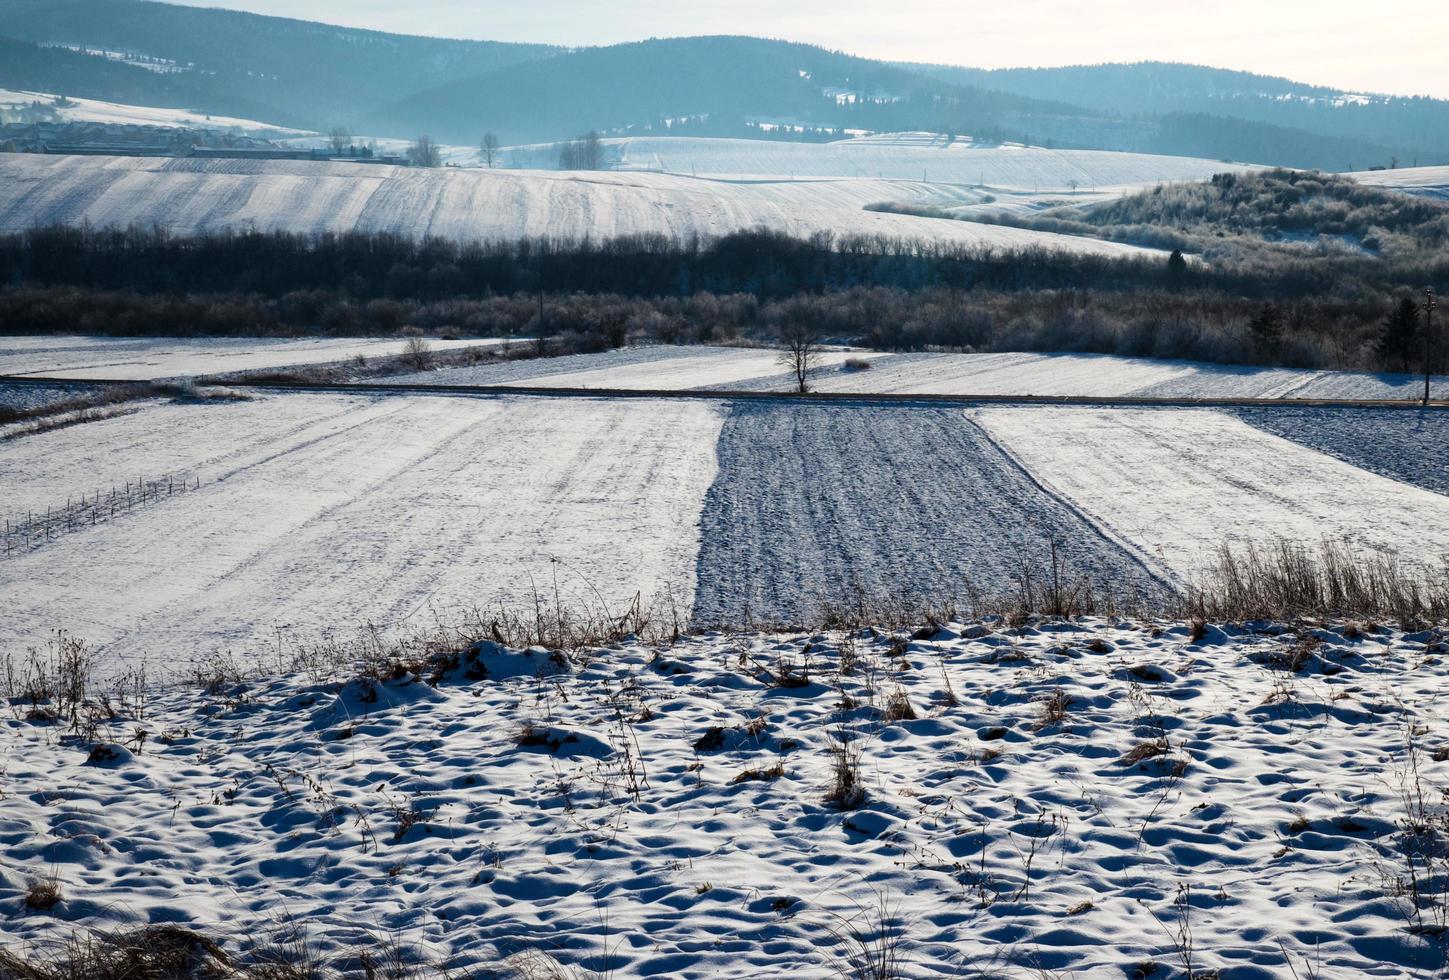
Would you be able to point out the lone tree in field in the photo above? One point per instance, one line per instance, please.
(1401, 330)
(800, 352)
(425, 153)
(417, 352)
(340, 138)
(489, 146)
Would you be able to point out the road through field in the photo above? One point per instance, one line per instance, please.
(381, 513)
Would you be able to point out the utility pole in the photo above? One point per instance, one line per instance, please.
(1429, 307)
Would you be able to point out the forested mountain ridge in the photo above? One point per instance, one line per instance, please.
(310, 75)
(294, 72)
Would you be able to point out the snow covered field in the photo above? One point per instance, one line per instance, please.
(153, 358)
(313, 515)
(684, 368)
(899, 156)
(1172, 485)
(1428, 181)
(821, 505)
(188, 196)
(1061, 800)
(121, 114)
(319, 515)
(666, 368)
(1408, 446)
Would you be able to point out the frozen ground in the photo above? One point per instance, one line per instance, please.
(1171, 485)
(899, 156)
(818, 505)
(320, 515)
(1411, 446)
(190, 196)
(1097, 375)
(152, 358)
(1262, 819)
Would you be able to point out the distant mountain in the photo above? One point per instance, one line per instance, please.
(702, 86)
(304, 74)
(288, 71)
(1350, 126)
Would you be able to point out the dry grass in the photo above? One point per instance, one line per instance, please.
(1054, 709)
(168, 952)
(898, 707)
(760, 775)
(1143, 751)
(871, 945)
(43, 894)
(1287, 580)
(846, 791)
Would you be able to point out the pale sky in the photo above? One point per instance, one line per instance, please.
(1395, 46)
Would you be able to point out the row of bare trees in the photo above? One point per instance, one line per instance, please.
(424, 152)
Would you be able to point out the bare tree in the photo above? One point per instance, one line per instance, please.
(425, 153)
(800, 351)
(490, 148)
(417, 353)
(340, 138)
(582, 153)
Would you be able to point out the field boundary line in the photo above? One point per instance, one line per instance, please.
(1124, 543)
(818, 397)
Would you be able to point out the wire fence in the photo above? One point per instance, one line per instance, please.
(24, 533)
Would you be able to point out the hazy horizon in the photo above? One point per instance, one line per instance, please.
(1398, 51)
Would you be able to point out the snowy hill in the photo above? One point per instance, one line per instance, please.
(1426, 181)
(123, 114)
(901, 156)
(188, 196)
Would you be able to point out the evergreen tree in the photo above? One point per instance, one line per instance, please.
(1397, 343)
(1267, 328)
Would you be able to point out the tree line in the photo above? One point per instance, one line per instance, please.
(887, 293)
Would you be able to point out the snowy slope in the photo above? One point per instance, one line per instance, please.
(116, 113)
(623, 842)
(150, 358)
(902, 156)
(1429, 181)
(339, 512)
(1175, 484)
(189, 196)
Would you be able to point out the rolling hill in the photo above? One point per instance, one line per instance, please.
(191, 196)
